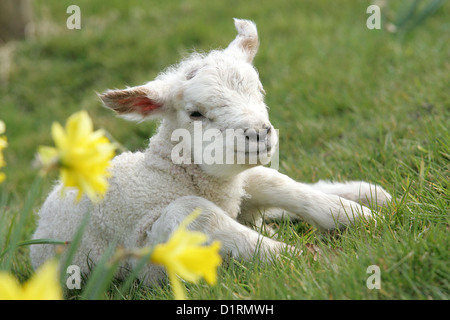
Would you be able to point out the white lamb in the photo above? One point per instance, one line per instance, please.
(150, 194)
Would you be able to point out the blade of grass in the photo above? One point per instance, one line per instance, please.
(71, 250)
(407, 14)
(101, 277)
(132, 276)
(3, 232)
(17, 229)
(31, 242)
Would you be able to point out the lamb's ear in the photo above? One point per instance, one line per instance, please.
(137, 103)
(246, 43)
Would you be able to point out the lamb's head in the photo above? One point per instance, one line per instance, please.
(213, 103)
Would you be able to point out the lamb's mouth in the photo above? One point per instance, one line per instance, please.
(253, 157)
(267, 149)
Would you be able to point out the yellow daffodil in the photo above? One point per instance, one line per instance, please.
(185, 256)
(3, 145)
(44, 285)
(82, 155)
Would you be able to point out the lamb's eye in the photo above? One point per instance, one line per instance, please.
(195, 115)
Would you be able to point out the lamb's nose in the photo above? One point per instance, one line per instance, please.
(258, 135)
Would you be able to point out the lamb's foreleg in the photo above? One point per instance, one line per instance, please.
(237, 240)
(268, 188)
(358, 191)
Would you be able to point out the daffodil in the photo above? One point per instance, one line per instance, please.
(3, 145)
(186, 256)
(82, 155)
(44, 285)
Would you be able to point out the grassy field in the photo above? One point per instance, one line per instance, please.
(350, 103)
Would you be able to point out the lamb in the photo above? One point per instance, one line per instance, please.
(150, 193)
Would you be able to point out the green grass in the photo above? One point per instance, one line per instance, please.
(350, 103)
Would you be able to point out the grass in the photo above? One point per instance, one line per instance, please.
(350, 103)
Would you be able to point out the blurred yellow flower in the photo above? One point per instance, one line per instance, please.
(82, 155)
(3, 145)
(186, 256)
(44, 285)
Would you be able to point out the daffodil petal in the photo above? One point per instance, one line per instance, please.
(190, 218)
(59, 135)
(79, 126)
(83, 156)
(185, 255)
(3, 142)
(47, 155)
(10, 288)
(44, 285)
(177, 287)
